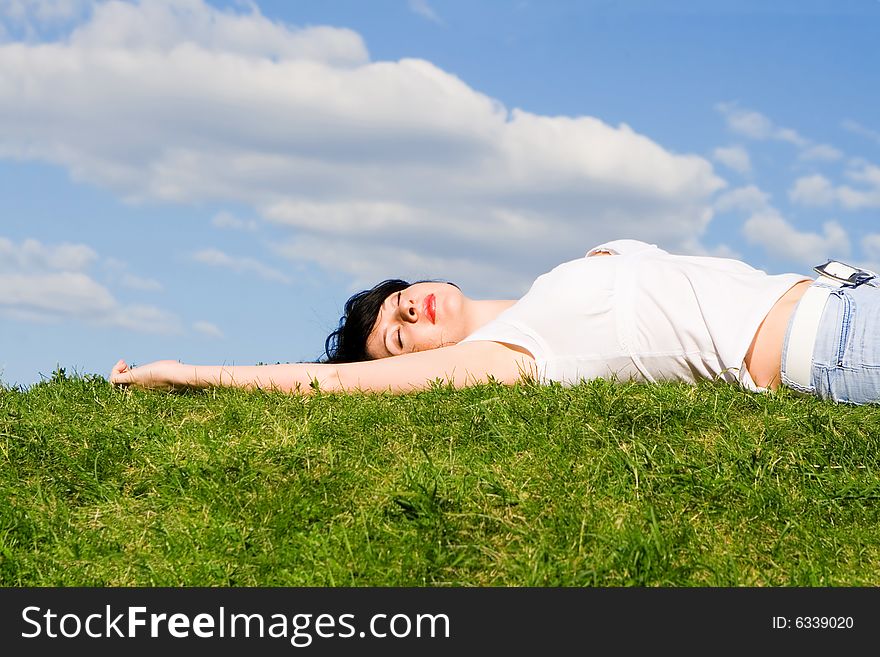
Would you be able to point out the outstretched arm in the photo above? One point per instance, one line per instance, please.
(461, 365)
(174, 375)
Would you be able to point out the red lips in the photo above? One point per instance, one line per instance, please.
(430, 307)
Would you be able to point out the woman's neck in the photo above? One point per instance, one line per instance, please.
(483, 311)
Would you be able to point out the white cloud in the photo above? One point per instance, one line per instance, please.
(749, 199)
(62, 293)
(217, 258)
(140, 283)
(33, 255)
(817, 190)
(345, 217)
(859, 129)
(821, 152)
(27, 19)
(118, 271)
(791, 136)
(146, 319)
(870, 256)
(40, 282)
(163, 26)
(767, 227)
(748, 123)
(31, 14)
(183, 102)
(367, 268)
(871, 246)
(717, 251)
(228, 220)
(777, 236)
(868, 175)
(755, 125)
(208, 329)
(733, 157)
(423, 9)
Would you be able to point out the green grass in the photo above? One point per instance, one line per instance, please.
(600, 484)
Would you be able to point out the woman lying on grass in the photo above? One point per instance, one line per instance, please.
(638, 313)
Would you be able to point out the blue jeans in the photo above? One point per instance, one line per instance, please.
(846, 356)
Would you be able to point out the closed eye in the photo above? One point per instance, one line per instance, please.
(399, 338)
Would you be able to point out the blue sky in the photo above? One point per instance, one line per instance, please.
(210, 181)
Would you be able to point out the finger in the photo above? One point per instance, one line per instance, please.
(120, 374)
(120, 379)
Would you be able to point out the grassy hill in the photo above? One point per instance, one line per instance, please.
(600, 484)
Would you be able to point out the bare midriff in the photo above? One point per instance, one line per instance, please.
(764, 358)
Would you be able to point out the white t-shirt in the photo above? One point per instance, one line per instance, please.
(643, 314)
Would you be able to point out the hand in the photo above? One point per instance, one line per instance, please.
(159, 375)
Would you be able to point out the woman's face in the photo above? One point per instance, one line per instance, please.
(423, 316)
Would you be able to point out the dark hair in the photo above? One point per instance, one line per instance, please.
(348, 343)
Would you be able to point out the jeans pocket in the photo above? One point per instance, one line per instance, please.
(847, 309)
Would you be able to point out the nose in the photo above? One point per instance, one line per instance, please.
(408, 311)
